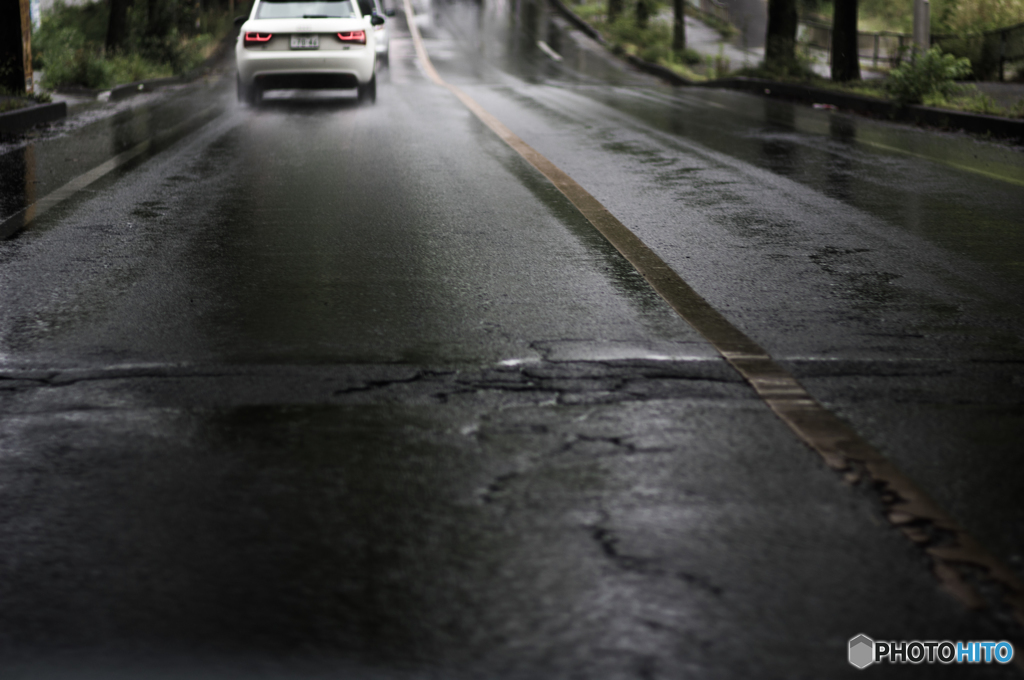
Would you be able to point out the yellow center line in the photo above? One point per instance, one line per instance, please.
(837, 442)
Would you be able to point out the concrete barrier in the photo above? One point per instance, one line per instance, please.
(22, 119)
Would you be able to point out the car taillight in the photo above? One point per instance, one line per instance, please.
(253, 37)
(357, 37)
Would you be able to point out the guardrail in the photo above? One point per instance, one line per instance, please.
(885, 46)
(989, 52)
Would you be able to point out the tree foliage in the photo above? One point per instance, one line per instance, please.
(975, 16)
(74, 44)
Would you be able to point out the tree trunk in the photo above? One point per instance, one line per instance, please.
(15, 46)
(845, 64)
(117, 25)
(160, 17)
(780, 42)
(614, 10)
(678, 26)
(643, 13)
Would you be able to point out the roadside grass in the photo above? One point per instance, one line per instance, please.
(654, 42)
(968, 98)
(68, 48)
(12, 104)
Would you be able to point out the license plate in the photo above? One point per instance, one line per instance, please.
(305, 42)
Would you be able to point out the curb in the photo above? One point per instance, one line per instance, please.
(20, 120)
(77, 91)
(976, 123)
(140, 87)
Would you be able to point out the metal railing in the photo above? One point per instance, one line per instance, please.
(885, 46)
(989, 52)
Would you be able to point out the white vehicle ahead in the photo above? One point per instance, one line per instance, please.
(369, 8)
(306, 44)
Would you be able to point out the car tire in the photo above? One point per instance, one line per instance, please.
(249, 94)
(368, 92)
(253, 95)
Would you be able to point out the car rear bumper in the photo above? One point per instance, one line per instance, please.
(314, 69)
(278, 80)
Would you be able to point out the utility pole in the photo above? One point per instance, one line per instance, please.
(16, 46)
(922, 25)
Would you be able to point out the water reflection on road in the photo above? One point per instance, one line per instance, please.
(960, 192)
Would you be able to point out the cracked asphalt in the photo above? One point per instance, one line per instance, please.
(321, 390)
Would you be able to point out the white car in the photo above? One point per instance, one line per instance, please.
(306, 44)
(369, 8)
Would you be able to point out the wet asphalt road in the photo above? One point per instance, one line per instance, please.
(328, 390)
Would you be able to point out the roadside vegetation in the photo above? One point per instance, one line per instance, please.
(958, 26)
(644, 28)
(71, 46)
(933, 79)
(957, 17)
(13, 102)
(645, 31)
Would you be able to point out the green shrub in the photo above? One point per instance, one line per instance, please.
(13, 104)
(928, 74)
(652, 43)
(68, 47)
(690, 57)
(797, 70)
(596, 13)
(68, 26)
(130, 67)
(75, 63)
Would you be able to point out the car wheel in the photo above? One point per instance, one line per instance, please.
(253, 95)
(368, 92)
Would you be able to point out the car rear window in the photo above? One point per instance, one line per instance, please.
(309, 9)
